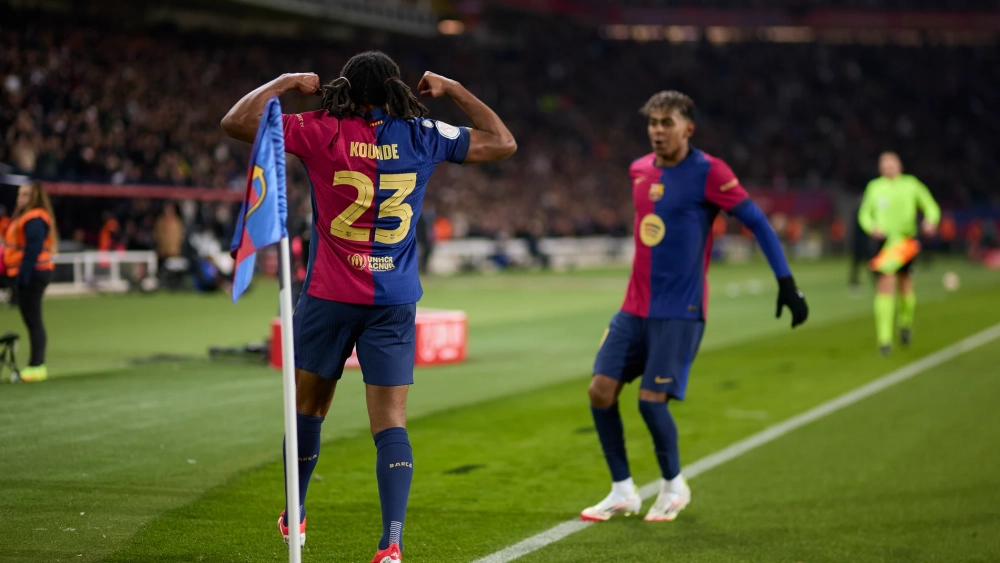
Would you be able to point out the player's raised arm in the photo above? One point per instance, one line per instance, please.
(723, 189)
(243, 118)
(490, 139)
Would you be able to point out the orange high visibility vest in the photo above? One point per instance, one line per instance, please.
(107, 231)
(14, 243)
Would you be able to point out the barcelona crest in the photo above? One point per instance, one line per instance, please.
(655, 192)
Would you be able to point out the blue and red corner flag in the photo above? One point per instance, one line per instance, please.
(263, 215)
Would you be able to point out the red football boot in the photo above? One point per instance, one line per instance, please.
(390, 554)
(284, 529)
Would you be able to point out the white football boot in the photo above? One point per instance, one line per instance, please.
(670, 501)
(614, 503)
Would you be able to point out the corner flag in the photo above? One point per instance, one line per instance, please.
(262, 218)
(262, 222)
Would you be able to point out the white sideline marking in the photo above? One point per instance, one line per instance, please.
(769, 434)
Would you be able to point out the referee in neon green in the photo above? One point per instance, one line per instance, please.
(889, 214)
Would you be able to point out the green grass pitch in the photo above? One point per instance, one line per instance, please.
(140, 450)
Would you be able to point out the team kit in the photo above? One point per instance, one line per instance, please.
(369, 153)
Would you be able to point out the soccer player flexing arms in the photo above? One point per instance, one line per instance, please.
(369, 153)
(888, 214)
(678, 190)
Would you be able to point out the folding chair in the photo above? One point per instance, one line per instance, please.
(8, 344)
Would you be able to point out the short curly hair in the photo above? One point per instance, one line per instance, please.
(669, 100)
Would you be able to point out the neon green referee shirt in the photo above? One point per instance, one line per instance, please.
(890, 206)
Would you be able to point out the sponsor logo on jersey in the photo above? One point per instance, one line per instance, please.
(372, 263)
(651, 230)
(637, 180)
(447, 131)
(375, 152)
(655, 192)
(729, 185)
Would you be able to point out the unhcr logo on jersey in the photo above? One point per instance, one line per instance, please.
(359, 261)
(381, 263)
(373, 263)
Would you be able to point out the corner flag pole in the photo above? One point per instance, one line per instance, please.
(288, 384)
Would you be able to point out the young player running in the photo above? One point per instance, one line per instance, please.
(677, 190)
(369, 153)
(888, 214)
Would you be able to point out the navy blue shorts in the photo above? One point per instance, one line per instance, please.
(327, 331)
(660, 350)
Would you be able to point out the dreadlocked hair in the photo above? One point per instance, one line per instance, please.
(371, 78)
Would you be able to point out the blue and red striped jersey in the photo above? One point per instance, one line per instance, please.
(674, 210)
(368, 177)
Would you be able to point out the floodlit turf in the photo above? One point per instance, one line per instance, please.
(907, 475)
(180, 461)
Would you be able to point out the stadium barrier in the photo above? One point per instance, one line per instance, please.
(442, 338)
(73, 189)
(94, 271)
(483, 254)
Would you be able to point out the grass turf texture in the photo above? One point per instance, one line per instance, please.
(180, 461)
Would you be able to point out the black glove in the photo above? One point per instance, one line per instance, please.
(790, 296)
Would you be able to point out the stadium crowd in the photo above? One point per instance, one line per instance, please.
(90, 102)
(801, 6)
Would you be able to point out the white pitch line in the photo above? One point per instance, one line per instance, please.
(556, 533)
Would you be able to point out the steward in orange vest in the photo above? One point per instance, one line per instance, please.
(29, 243)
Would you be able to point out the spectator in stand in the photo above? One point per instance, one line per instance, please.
(948, 231)
(425, 238)
(90, 101)
(111, 235)
(838, 235)
(168, 233)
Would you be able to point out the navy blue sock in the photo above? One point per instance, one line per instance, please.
(661, 426)
(308, 428)
(394, 470)
(612, 434)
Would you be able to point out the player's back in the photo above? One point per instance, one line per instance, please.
(368, 176)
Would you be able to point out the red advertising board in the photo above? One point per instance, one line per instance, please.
(442, 338)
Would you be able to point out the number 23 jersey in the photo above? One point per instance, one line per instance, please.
(368, 176)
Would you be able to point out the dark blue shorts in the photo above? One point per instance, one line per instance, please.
(660, 350)
(327, 331)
